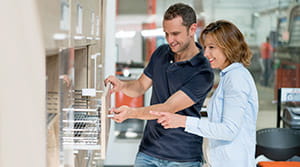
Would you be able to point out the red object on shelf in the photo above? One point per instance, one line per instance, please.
(287, 76)
(279, 164)
(122, 99)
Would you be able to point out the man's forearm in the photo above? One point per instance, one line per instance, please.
(132, 88)
(143, 112)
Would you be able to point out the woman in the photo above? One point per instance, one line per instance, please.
(232, 110)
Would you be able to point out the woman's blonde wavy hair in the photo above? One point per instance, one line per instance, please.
(229, 38)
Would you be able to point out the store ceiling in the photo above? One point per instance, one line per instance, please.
(128, 7)
(131, 14)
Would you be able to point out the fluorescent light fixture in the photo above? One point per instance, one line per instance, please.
(60, 36)
(125, 34)
(256, 14)
(89, 38)
(131, 134)
(153, 32)
(78, 37)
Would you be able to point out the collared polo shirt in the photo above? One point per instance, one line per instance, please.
(195, 78)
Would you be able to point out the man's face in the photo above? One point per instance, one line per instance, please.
(177, 35)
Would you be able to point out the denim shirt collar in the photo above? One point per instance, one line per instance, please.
(230, 67)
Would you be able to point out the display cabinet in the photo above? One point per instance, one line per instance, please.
(77, 100)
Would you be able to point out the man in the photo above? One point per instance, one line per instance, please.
(181, 78)
(266, 50)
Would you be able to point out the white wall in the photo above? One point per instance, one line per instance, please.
(130, 49)
(110, 42)
(241, 13)
(264, 24)
(237, 12)
(22, 89)
(269, 12)
(163, 5)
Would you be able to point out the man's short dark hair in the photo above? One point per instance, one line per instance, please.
(185, 11)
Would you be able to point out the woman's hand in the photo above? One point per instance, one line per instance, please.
(170, 120)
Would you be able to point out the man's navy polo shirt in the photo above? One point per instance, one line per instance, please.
(195, 78)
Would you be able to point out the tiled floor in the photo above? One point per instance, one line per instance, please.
(267, 114)
(266, 119)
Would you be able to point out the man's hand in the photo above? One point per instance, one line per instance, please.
(170, 120)
(121, 114)
(116, 83)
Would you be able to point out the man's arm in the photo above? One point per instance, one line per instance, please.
(178, 101)
(133, 88)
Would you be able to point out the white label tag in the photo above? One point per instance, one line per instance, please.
(89, 92)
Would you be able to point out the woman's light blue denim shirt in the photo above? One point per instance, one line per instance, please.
(231, 124)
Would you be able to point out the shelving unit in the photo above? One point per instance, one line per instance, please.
(77, 101)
